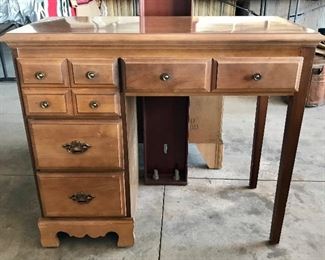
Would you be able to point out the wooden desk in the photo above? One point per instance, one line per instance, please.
(78, 81)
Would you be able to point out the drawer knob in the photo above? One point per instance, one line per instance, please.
(82, 197)
(39, 75)
(90, 75)
(76, 147)
(44, 104)
(94, 104)
(257, 76)
(165, 76)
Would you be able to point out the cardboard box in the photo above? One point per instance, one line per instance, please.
(89, 9)
(205, 128)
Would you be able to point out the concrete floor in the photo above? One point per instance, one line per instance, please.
(214, 217)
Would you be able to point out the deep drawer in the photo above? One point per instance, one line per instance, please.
(275, 74)
(167, 75)
(82, 194)
(64, 144)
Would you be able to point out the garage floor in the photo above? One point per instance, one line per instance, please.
(214, 217)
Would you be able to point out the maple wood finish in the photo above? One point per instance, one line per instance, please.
(78, 227)
(96, 102)
(47, 101)
(43, 71)
(93, 72)
(82, 194)
(256, 74)
(167, 75)
(104, 139)
(92, 144)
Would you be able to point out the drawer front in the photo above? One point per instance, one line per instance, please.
(167, 75)
(64, 144)
(82, 194)
(43, 71)
(100, 102)
(259, 74)
(93, 72)
(47, 101)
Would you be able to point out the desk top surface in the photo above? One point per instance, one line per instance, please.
(176, 28)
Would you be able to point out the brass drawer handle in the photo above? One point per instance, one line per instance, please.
(39, 75)
(44, 104)
(94, 104)
(82, 197)
(165, 76)
(257, 76)
(90, 75)
(76, 147)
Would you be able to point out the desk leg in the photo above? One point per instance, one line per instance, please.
(260, 118)
(294, 117)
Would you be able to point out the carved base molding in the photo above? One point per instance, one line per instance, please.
(49, 228)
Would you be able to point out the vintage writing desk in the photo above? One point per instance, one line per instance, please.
(78, 81)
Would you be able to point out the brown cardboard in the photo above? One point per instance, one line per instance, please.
(205, 124)
(205, 128)
(90, 9)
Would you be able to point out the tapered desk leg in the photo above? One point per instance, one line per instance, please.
(294, 117)
(260, 118)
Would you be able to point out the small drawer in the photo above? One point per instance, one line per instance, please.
(167, 75)
(43, 71)
(93, 72)
(266, 74)
(82, 194)
(43, 101)
(100, 102)
(72, 144)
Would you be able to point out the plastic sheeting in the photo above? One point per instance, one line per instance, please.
(18, 11)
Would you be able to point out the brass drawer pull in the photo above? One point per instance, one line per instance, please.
(39, 75)
(165, 76)
(82, 197)
(76, 147)
(257, 76)
(90, 75)
(44, 104)
(94, 104)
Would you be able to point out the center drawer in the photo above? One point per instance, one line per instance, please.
(82, 194)
(64, 144)
(167, 75)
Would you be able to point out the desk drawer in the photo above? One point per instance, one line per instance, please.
(167, 75)
(259, 74)
(43, 101)
(93, 72)
(96, 102)
(43, 71)
(65, 144)
(82, 194)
